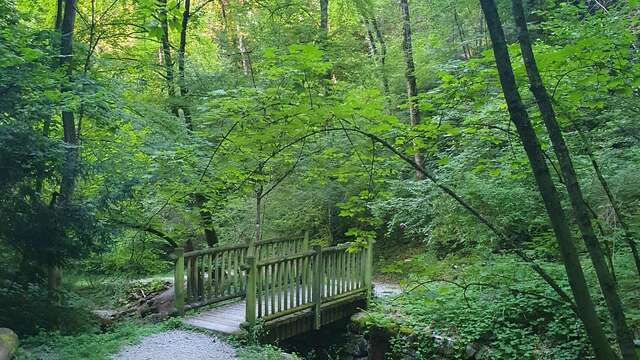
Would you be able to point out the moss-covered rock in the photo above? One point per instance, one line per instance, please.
(8, 343)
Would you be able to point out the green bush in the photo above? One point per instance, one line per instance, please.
(497, 303)
(26, 309)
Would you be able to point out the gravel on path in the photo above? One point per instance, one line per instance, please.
(178, 345)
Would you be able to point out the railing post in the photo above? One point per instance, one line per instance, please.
(252, 274)
(178, 281)
(317, 286)
(368, 270)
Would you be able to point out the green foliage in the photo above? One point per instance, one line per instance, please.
(27, 308)
(94, 346)
(495, 303)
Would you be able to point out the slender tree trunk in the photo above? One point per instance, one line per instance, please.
(200, 199)
(465, 46)
(67, 183)
(58, 21)
(324, 17)
(520, 118)
(410, 76)
(371, 41)
(70, 137)
(206, 220)
(628, 235)
(244, 58)
(166, 47)
(383, 56)
(182, 85)
(583, 218)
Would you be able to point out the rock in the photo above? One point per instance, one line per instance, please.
(8, 343)
(470, 351)
(356, 346)
(358, 322)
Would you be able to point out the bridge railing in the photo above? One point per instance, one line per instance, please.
(308, 280)
(218, 273)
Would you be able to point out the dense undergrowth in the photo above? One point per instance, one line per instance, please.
(495, 307)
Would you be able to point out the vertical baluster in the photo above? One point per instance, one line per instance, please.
(276, 285)
(216, 276)
(272, 287)
(299, 264)
(351, 272)
(259, 295)
(339, 259)
(348, 272)
(327, 274)
(243, 278)
(239, 274)
(283, 299)
(303, 281)
(208, 271)
(189, 280)
(344, 255)
(338, 271)
(223, 273)
(290, 283)
(332, 272)
(236, 270)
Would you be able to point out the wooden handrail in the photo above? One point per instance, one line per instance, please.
(213, 250)
(286, 258)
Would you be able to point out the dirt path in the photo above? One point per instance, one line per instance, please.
(178, 345)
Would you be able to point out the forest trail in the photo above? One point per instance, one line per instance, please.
(178, 345)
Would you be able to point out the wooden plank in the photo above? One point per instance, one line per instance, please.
(292, 283)
(213, 250)
(272, 284)
(178, 281)
(251, 290)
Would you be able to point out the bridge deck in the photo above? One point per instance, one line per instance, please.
(226, 319)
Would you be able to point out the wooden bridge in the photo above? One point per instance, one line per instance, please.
(284, 286)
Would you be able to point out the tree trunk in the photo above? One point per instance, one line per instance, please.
(520, 118)
(210, 235)
(206, 219)
(166, 47)
(382, 57)
(410, 76)
(465, 47)
(628, 234)
(70, 138)
(324, 17)
(67, 184)
(58, 21)
(182, 85)
(583, 218)
(244, 57)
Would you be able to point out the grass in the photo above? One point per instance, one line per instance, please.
(89, 346)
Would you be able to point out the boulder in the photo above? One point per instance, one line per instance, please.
(8, 343)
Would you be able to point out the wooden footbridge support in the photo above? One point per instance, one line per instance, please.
(283, 286)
